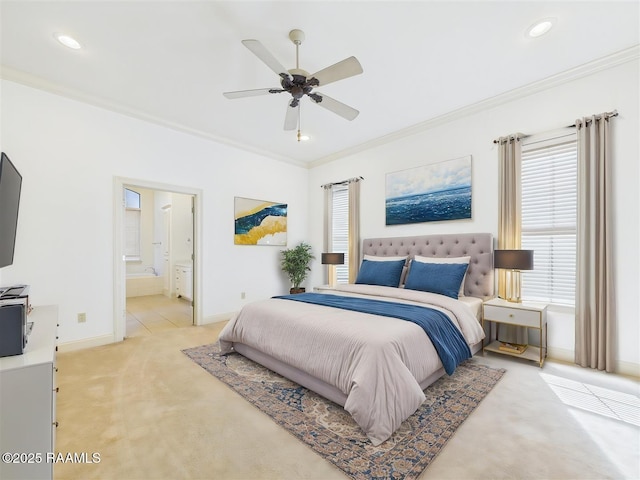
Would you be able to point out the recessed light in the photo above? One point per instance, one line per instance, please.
(540, 27)
(67, 41)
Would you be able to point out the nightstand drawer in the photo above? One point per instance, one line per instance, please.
(525, 318)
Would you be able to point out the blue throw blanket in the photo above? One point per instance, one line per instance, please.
(445, 336)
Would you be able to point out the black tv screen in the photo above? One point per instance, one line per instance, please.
(10, 186)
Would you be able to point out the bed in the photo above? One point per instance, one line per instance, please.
(374, 365)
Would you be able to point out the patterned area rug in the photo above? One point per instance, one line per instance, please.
(331, 432)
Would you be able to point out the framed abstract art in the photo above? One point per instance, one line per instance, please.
(259, 222)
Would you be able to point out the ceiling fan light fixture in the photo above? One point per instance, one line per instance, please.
(540, 27)
(68, 41)
(302, 137)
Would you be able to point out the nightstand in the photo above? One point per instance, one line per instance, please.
(323, 288)
(526, 314)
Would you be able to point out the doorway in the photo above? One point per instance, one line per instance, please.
(156, 266)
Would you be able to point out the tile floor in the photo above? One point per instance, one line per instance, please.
(155, 313)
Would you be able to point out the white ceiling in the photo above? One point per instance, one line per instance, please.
(170, 61)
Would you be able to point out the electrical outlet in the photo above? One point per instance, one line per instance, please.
(82, 317)
(242, 296)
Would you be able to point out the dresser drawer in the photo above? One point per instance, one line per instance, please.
(515, 316)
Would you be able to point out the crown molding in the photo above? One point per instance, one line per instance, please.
(604, 63)
(29, 80)
(590, 68)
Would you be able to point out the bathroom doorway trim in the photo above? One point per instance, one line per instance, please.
(119, 266)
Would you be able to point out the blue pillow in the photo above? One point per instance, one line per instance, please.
(442, 278)
(386, 274)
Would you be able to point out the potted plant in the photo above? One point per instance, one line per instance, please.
(295, 263)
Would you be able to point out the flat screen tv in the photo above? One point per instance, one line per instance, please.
(10, 186)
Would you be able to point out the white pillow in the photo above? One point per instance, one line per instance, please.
(421, 259)
(384, 259)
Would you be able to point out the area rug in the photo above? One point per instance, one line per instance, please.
(331, 432)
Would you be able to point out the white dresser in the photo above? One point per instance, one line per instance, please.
(28, 402)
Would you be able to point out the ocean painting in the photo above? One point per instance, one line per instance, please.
(258, 222)
(431, 193)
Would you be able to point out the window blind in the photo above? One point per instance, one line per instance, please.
(340, 229)
(132, 228)
(549, 215)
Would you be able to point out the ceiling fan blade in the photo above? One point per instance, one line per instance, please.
(339, 108)
(265, 55)
(248, 93)
(291, 118)
(338, 71)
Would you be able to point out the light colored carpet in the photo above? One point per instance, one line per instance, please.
(331, 432)
(152, 413)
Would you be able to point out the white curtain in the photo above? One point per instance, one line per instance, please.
(354, 229)
(328, 217)
(595, 316)
(510, 218)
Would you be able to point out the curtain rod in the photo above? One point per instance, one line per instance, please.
(607, 116)
(519, 136)
(343, 182)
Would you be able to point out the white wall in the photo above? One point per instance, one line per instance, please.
(615, 88)
(69, 154)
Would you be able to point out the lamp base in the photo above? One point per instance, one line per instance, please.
(514, 282)
(333, 277)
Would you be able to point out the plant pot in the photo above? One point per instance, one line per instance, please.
(296, 290)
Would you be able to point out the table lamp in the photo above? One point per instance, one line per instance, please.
(513, 261)
(332, 259)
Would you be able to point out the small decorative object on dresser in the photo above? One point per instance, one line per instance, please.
(527, 315)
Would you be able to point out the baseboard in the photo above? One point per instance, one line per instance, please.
(628, 369)
(107, 339)
(563, 355)
(220, 317)
(85, 343)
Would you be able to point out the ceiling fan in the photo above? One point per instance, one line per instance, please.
(298, 82)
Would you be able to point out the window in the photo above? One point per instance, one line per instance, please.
(132, 216)
(339, 242)
(342, 225)
(549, 215)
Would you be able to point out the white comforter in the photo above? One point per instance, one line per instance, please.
(377, 362)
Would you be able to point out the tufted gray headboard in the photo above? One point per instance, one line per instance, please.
(479, 246)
